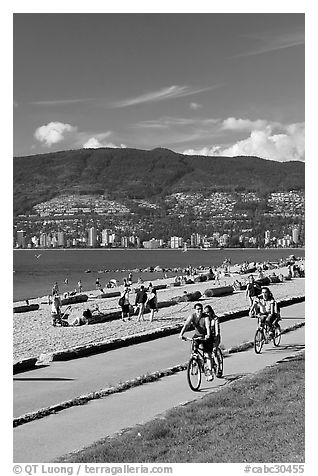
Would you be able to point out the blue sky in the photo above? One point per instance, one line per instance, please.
(210, 83)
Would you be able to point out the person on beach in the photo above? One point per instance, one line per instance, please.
(55, 288)
(124, 303)
(66, 281)
(265, 307)
(152, 301)
(80, 287)
(141, 298)
(130, 279)
(97, 283)
(85, 318)
(201, 324)
(56, 309)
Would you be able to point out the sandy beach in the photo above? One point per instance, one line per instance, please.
(34, 334)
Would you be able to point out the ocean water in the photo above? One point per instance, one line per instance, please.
(34, 275)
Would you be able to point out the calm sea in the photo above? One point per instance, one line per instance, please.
(34, 275)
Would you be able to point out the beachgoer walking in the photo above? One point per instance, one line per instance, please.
(97, 283)
(130, 279)
(55, 288)
(56, 309)
(141, 298)
(124, 303)
(152, 302)
(80, 287)
(66, 281)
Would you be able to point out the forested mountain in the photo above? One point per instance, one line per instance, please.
(132, 173)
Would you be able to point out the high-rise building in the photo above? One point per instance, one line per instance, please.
(105, 237)
(92, 237)
(21, 239)
(176, 242)
(295, 234)
(43, 240)
(267, 237)
(60, 238)
(124, 242)
(195, 240)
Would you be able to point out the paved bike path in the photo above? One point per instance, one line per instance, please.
(46, 439)
(62, 381)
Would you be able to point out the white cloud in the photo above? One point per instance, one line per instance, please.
(53, 132)
(208, 151)
(231, 123)
(195, 106)
(281, 147)
(94, 143)
(287, 145)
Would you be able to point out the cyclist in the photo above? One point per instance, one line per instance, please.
(201, 324)
(265, 307)
(214, 327)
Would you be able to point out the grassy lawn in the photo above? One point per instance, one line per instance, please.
(258, 419)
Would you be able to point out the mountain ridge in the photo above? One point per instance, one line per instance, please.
(135, 173)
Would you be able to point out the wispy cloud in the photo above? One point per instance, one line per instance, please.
(268, 43)
(167, 122)
(57, 102)
(170, 92)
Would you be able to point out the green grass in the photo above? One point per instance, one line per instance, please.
(257, 419)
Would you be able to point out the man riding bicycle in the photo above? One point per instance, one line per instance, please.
(203, 336)
(265, 307)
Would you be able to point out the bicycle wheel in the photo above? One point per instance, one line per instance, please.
(259, 340)
(219, 364)
(194, 373)
(277, 335)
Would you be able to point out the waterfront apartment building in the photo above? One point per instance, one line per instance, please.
(60, 238)
(196, 240)
(176, 242)
(21, 239)
(43, 240)
(151, 244)
(92, 237)
(295, 235)
(267, 237)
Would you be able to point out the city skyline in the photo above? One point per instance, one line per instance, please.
(210, 84)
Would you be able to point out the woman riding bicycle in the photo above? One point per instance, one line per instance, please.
(214, 326)
(203, 335)
(265, 307)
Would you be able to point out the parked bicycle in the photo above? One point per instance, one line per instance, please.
(198, 364)
(264, 334)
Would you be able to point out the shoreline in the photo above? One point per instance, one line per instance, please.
(155, 249)
(147, 273)
(33, 333)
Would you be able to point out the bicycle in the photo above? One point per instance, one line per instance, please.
(263, 336)
(198, 364)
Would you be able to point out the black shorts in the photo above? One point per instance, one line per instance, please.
(208, 344)
(125, 308)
